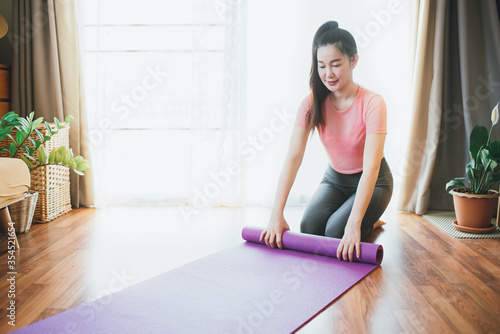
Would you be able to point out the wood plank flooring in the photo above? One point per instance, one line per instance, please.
(429, 282)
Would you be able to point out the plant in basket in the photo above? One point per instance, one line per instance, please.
(44, 147)
(26, 142)
(475, 204)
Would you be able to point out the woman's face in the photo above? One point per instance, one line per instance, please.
(334, 67)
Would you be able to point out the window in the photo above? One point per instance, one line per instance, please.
(193, 102)
(162, 80)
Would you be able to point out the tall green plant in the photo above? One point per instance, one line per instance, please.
(19, 130)
(483, 170)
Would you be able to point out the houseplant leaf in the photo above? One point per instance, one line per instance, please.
(49, 129)
(81, 163)
(493, 165)
(478, 139)
(65, 158)
(78, 159)
(4, 132)
(471, 171)
(37, 122)
(19, 137)
(495, 179)
(42, 155)
(494, 149)
(23, 122)
(29, 157)
(10, 116)
(61, 150)
(78, 172)
(12, 149)
(32, 141)
(39, 134)
(455, 183)
(84, 167)
(68, 119)
(58, 125)
(472, 162)
(484, 186)
(23, 131)
(52, 156)
(26, 161)
(485, 157)
(58, 158)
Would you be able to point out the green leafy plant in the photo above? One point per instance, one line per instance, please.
(21, 143)
(483, 170)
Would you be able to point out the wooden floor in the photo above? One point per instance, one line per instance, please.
(429, 282)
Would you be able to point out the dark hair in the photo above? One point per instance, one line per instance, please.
(328, 34)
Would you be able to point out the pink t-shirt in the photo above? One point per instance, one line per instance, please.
(344, 133)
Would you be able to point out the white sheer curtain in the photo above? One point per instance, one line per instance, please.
(194, 101)
(163, 81)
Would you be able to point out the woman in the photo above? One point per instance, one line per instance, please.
(352, 125)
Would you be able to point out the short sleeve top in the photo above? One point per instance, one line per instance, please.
(344, 132)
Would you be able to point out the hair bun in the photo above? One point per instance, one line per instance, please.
(333, 24)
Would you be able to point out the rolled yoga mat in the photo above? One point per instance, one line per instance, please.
(246, 289)
(315, 244)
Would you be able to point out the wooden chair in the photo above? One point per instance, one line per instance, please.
(14, 183)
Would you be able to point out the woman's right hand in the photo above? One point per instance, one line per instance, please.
(273, 234)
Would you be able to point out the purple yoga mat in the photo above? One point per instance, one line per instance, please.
(307, 243)
(246, 289)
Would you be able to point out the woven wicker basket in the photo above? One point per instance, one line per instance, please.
(51, 182)
(22, 212)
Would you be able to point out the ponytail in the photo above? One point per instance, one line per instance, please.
(328, 34)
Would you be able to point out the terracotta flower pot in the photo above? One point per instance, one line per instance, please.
(474, 210)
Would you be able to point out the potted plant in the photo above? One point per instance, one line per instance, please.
(49, 163)
(475, 204)
(32, 150)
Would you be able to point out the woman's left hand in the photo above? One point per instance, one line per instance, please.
(350, 242)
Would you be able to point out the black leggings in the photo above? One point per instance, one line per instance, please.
(329, 208)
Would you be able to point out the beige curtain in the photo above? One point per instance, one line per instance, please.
(456, 79)
(426, 106)
(47, 74)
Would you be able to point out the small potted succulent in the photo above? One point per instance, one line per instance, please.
(475, 204)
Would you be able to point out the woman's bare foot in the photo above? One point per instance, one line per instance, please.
(378, 224)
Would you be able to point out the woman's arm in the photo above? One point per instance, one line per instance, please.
(277, 223)
(372, 156)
